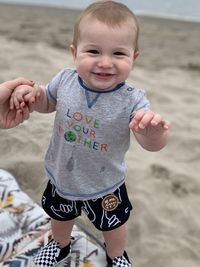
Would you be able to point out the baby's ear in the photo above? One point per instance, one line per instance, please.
(136, 54)
(73, 51)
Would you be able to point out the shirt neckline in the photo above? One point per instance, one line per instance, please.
(99, 91)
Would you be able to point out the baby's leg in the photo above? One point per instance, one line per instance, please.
(115, 241)
(61, 231)
(62, 213)
(58, 249)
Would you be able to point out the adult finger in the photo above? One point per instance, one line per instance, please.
(18, 118)
(26, 113)
(12, 84)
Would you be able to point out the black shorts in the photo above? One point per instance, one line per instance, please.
(106, 213)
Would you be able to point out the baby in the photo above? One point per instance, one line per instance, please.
(95, 112)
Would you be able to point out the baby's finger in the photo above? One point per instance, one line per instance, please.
(146, 119)
(156, 120)
(22, 105)
(166, 125)
(15, 101)
(19, 117)
(28, 96)
(139, 115)
(32, 96)
(136, 119)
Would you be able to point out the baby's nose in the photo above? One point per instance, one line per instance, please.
(105, 62)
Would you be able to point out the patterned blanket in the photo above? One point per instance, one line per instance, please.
(25, 229)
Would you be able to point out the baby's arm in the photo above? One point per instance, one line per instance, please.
(35, 97)
(150, 130)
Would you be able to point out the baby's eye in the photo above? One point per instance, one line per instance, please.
(118, 53)
(93, 51)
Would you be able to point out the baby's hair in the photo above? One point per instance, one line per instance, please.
(110, 13)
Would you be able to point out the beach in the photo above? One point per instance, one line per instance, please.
(164, 186)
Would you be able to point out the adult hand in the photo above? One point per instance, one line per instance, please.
(11, 118)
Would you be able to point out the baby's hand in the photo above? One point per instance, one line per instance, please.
(148, 123)
(24, 95)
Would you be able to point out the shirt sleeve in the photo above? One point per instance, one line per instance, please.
(53, 85)
(141, 103)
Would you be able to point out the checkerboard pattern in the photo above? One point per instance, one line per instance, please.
(121, 262)
(48, 256)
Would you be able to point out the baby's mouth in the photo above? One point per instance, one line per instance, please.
(103, 75)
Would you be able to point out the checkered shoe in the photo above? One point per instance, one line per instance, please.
(121, 262)
(52, 255)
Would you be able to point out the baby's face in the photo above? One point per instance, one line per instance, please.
(104, 55)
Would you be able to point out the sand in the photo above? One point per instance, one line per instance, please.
(164, 187)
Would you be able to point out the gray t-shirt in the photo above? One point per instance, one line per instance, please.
(91, 135)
